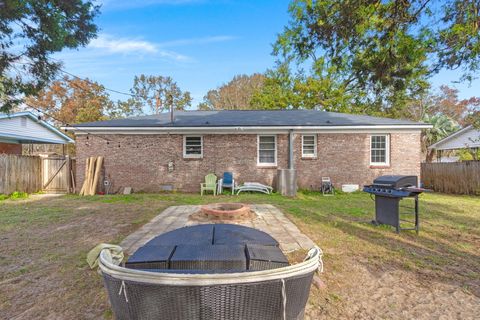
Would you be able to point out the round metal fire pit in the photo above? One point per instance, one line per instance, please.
(224, 211)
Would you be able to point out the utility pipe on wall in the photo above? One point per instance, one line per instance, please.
(291, 164)
(287, 178)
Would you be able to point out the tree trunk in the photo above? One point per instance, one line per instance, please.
(430, 154)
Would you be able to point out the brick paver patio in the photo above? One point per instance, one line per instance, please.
(269, 219)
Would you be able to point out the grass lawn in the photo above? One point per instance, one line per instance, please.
(370, 272)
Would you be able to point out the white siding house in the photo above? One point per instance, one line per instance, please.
(25, 127)
(468, 137)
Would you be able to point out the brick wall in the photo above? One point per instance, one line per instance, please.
(345, 158)
(10, 148)
(141, 161)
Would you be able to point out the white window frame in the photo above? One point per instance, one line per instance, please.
(314, 155)
(193, 156)
(273, 164)
(387, 150)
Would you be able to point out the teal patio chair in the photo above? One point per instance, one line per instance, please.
(210, 184)
(226, 182)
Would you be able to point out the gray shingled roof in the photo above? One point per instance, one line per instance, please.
(249, 118)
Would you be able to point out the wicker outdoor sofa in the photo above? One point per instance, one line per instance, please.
(274, 294)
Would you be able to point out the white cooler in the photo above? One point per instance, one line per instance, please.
(350, 187)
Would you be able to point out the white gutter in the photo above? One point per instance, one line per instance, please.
(242, 129)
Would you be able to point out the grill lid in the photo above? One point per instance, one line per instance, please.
(396, 181)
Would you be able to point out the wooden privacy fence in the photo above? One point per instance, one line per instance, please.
(20, 173)
(32, 174)
(452, 177)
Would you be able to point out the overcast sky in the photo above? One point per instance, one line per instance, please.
(200, 43)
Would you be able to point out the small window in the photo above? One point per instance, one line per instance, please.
(192, 146)
(309, 146)
(379, 150)
(267, 151)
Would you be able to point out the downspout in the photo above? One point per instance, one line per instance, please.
(291, 164)
(287, 178)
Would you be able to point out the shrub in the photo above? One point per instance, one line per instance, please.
(18, 195)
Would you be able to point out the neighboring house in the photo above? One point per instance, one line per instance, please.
(151, 153)
(25, 128)
(468, 137)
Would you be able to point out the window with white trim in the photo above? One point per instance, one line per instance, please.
(380, 150)
(267, 150)
(309, 146)
(192, 146)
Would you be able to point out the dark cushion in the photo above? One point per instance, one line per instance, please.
(261, 257)
(234, 234)
(197, 235)
(209, 257)
(192, 271)
(150, 257)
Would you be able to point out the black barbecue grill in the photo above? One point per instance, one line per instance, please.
(388, 191)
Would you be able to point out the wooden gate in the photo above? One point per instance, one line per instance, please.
(57, 175)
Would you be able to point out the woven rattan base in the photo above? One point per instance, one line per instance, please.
(261, 300)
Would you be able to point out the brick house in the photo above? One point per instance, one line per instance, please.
(152, 153)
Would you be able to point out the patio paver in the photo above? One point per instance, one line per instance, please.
(269, 219)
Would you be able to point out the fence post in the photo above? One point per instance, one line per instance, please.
(69, 177)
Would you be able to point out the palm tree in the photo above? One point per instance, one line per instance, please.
(442, 126)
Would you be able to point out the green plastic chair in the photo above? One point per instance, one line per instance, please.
(210, 184)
